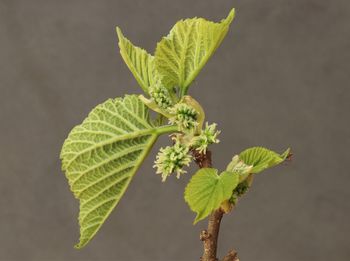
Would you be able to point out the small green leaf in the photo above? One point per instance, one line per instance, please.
(207, 190)
(237, 165)
(101, 155)
(181, 55)
(140, 63)
(261, 158)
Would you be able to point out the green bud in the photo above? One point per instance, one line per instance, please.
(241, 189)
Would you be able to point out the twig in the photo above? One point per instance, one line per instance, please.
(202, 160)
(210, 242)
(231, 256)
(211, 234)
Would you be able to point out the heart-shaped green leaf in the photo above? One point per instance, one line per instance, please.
(207, 190)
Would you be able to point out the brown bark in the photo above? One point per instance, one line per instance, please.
(210, 235)
(231, 256)
(202, 160)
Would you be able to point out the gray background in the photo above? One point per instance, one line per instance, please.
(280, 79)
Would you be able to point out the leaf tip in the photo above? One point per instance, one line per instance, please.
(230, 16)
(197, 219)
(287, 154)
(119, 34)
(118, 30)
(79, 245)
(232, 13)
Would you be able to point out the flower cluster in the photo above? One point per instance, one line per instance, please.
(184, 116)
(208, 136)
(172, 159)
(161, 96)
(188, 116)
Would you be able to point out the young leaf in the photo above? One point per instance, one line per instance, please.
(140, 63)
(101, 155)
(237, 165)
(207, 190)
(180, 56)
(261, 158)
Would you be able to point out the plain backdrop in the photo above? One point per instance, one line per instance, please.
(280, 78)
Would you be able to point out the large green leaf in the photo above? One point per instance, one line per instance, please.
(140, 63)
(101, 155)
(180, 56)
(207, 190)
(262, 158)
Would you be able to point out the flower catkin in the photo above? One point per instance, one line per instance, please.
(161, 96)
(184, 116)
(172, 159)
(208, 136)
